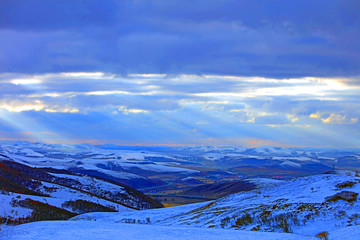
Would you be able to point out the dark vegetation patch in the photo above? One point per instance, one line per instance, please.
(82, 206)
(244, 220)
(14, 181)
(346, 184)
(323, 235)
(41, 211)
(344, 195)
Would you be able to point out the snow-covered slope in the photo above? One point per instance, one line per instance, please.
(306, 205)
(303, 205)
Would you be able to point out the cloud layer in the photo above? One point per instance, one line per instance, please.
(180, 109)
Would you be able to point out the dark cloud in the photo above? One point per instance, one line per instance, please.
(257, 38)
(36, 15)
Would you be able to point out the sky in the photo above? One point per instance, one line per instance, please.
(163, 72)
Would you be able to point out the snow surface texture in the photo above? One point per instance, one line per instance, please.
(71, 230)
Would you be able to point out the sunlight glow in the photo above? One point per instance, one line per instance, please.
(25, 81)
(147, 75)
(126, 110)
(66, 110)
(25, 107)
(95, 75)
(333, 118)
(100, 93)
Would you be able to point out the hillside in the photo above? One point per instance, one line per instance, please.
(31, 194)
(303, 205)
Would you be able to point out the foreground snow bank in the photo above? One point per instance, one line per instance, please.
(74, 230)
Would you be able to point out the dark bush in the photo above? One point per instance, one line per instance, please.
(344, 195)
(224, 222)
(82, 206)
(244, 220)
(323, 235)
(42, 211)
(345, 184)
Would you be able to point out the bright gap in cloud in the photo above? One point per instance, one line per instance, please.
(25, 81)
